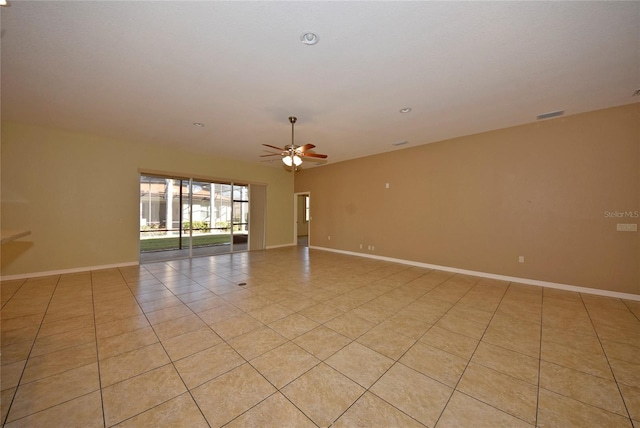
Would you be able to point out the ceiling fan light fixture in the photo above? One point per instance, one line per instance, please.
(290, 160)
(292, 155)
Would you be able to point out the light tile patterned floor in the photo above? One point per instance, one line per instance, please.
(312, 339)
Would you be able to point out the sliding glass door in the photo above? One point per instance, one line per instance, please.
(240, 223)
(182, 218)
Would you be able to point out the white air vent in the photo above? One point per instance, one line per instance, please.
(550, 114)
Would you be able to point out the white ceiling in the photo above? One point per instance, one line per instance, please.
(146, 71)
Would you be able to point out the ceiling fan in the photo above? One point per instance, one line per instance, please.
(293, 155)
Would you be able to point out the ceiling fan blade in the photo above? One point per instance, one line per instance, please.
(314, 155)
(272, 154)
(305, 147)
(274, 147)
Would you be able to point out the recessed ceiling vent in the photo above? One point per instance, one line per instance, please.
(399, 143)
(550, 115)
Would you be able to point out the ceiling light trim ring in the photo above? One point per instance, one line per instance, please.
(309, 38)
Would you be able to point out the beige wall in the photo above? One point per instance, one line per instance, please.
(479, 202)
(79, 195)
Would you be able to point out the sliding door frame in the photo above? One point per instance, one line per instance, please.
(233, 185)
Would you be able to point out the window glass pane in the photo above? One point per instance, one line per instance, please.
(159, 213)
(222, 211)
(201, 207)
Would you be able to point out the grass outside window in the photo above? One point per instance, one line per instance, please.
(171, 243)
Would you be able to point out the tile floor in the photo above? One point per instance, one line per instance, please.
(312, 339)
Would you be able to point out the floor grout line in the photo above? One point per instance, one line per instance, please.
(379, 278)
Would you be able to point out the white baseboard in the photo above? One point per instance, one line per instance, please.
(66, 271)
(566, 287)
(271, 247)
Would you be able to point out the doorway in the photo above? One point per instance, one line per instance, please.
(184, 218)
(302, 219)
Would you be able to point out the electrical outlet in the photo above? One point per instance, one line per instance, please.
(329, 237)
(373, 248)
(361, 246)
(521, 259)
